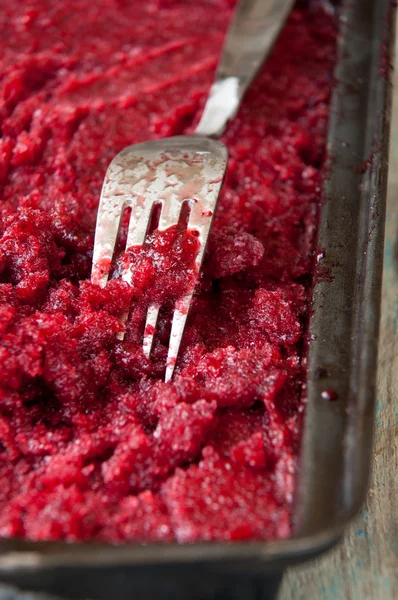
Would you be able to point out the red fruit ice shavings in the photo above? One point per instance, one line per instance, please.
(216, 500)
(250, 452)
(238, 377)
(143, 517)
(271, 311)
(232, 251)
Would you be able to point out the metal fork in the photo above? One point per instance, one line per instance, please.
(183, 169)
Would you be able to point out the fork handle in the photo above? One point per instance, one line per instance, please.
(251, 35)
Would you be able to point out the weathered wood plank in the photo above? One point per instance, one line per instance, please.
(365, 565)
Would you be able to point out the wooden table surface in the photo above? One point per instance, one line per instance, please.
(365, 565)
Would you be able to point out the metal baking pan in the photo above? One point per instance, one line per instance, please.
(342, 350)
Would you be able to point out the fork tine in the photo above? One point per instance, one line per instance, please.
(170, 212)
(169, 215)
(123, 320)
(138, 225)
(109, 213)
(150, 328)
(201, 216)
(116, 194)
(135, 236)
(207, 188)
(177, 329)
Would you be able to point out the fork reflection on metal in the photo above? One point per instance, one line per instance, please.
(184, 168)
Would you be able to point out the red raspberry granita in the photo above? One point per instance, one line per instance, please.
(93, 443)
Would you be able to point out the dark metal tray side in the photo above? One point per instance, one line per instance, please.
(342, 351)
(344, 328)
